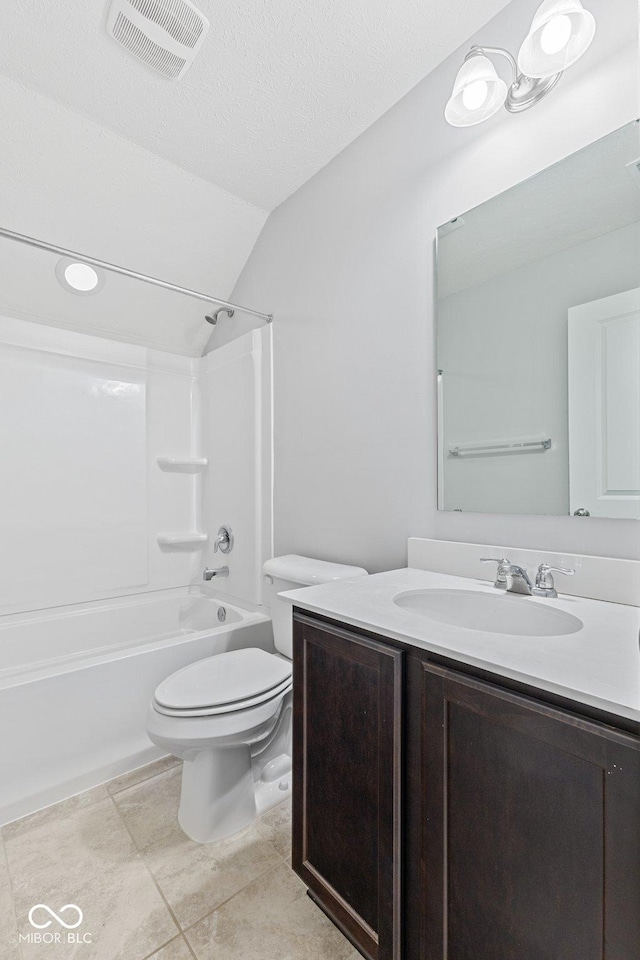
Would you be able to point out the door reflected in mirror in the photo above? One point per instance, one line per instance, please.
(538, 342)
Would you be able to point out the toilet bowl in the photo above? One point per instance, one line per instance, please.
(228, 717)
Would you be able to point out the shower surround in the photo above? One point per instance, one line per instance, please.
(107, 526)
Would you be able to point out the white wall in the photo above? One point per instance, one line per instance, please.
(503, 348)
(346, 264)
(73, 183)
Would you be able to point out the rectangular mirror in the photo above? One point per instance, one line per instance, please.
(538, 342)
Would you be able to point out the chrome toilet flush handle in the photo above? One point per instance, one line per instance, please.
(545, 586)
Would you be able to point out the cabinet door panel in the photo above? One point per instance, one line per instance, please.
(346, 817)
(527, 817)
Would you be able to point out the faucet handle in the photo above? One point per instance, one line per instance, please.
(545, 586)
(569, 571)
(503, 566)
(224, 540)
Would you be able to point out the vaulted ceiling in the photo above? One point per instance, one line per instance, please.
(104, 156)
(278, 89)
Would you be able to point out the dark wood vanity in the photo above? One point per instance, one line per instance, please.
(445, 814)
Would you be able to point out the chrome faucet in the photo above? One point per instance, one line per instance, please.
(510, 576)
(515, 579)
(209, 574)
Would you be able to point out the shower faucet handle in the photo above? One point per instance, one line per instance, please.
(224, 541)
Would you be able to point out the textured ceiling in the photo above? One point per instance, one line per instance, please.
(587, 195)
(279, 88)
(67, 180)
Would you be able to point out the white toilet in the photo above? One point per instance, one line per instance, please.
(229, 716)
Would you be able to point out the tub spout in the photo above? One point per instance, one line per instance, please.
(220, 572)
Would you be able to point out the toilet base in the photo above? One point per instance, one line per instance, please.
(217, 798)
(238, 798)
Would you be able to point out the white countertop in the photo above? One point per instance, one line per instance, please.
(599, 665)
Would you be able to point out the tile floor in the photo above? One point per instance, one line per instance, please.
(147, 891)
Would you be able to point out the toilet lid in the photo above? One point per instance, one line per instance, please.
(228, 678)
(241, 706)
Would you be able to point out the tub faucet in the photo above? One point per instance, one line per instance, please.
(220, 572)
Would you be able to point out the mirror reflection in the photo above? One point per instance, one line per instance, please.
(538, 342)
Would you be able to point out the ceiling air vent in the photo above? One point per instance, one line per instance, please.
(164, 34)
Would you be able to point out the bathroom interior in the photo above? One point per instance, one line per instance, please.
(320, 487)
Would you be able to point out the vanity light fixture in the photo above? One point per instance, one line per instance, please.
(78, 277)
(561, 31)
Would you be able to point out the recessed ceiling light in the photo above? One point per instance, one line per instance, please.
(78, 277)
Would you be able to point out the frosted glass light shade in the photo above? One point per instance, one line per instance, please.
(478, 93)
(561, 31)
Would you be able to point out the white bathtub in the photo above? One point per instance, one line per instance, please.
(75, 684)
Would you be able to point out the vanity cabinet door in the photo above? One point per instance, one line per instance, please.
(530, 828)
(346, 795)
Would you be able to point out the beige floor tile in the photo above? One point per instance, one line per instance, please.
(195, 878)
(54, 812)
(271, 919)
(124, 915)
(275, 826)
(150, 808)
(58, 856)
(142, 773)
(9, 949)
(176, 950)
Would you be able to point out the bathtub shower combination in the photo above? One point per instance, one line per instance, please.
(115, 491)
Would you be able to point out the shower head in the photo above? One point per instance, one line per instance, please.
(212, 318)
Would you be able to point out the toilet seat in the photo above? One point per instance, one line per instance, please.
(226, 683)
(234, 707)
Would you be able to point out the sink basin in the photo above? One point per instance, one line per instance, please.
(490, 613)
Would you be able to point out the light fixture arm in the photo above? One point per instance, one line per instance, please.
(524, 92)
(477, 50)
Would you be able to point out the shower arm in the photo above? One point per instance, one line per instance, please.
(224, 305)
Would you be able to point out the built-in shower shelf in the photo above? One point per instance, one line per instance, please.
(175, 463)
(182, 539)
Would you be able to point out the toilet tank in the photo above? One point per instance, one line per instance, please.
(289, 572)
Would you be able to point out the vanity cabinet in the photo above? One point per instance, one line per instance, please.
(530, 828)
(347, 781)
(511, 829)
